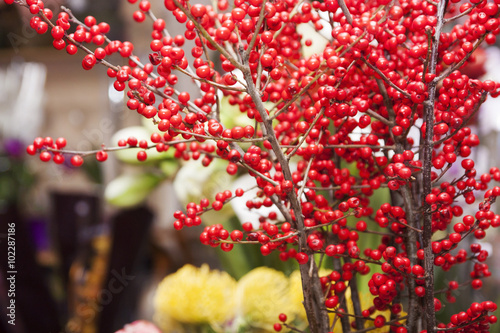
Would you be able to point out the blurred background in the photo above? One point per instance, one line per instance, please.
(92, 243)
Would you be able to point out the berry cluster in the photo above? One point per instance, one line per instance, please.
(330, 130)
(49, 149)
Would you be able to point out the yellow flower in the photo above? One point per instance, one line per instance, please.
(195, 296)
(167, 324)
(261, 296)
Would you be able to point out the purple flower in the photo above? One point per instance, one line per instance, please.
(14, 147)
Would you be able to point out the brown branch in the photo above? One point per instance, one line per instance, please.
(313, 294)
(429, 312)
(345, 10)
(378, 117)
(257, 29)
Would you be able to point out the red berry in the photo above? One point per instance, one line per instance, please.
(45, 156)
(379, 321)
(42, 27)
(184, 97)
(476, 284)
(57, 32)
(101, 156)
(76, 160)
(142, 156)
(302, 258)
(58, 159)
(236, 235)
(89, 61)
(139, 16)
(31, 150)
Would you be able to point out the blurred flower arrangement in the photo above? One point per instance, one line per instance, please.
(198, 299)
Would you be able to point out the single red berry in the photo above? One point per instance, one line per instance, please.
(302, 258)
(42, 27)
(89, 61)
(71, 49)
(476, 284)
(139, 16)
(379, 321)
(59, 44)
(142, 156)
(226, 247)
(417, 270)
(184, 97)
(58, 159)
(31, 150)
(76, 160)
(45, 156)
(236, 235)
(101, 156)
(57, 32)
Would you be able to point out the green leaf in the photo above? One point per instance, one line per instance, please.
(130, 190)
(169, 167)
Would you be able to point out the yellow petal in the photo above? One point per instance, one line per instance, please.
(196, 295)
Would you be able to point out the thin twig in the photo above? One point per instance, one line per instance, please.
(215, 84)
(306, 134)
(257, 29)
(386, 80)
(296, 96)
(345, 10)
(456, 17)
(484, 94)
(207, 36)
(451, 69)
(378, 117)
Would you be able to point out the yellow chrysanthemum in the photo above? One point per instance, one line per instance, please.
(195, 296)
(296, 296)
(261, 296)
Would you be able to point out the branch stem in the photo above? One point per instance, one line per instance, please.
(429, 312)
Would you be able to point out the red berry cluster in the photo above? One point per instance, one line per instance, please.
(475, 319)
(50, 149)
(329, 131)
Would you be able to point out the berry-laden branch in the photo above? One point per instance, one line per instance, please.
(332, 129)
(313, 296)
